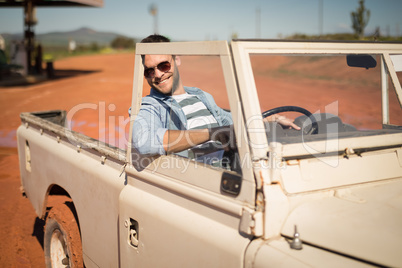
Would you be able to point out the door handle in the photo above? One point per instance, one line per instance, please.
(133, 236)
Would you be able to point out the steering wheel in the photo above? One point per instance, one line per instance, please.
(281, 109)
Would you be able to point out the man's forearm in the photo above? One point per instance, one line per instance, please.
(178, 140)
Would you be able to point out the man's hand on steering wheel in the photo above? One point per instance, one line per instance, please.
(282, 120)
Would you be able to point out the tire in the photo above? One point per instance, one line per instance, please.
(62, 239)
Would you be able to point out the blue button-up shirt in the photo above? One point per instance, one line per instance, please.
(159, 113)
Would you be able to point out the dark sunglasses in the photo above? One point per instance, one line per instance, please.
(163, 67)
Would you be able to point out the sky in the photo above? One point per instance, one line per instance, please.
(187, 20)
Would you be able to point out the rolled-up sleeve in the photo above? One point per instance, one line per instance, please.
(148, 131)
(224, 117)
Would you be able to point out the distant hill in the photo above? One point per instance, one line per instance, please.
(82, 36)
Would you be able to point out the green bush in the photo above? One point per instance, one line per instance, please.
(122, 43)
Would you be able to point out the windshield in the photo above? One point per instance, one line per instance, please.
(324, 84)
(336, 105)
(349, 117)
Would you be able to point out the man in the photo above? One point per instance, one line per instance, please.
(165, 124)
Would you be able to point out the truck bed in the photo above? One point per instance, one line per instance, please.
(56, 161)
(54, 122)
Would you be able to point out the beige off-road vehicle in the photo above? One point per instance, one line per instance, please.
(329, 195)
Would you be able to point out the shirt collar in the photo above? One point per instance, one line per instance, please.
(156, 94)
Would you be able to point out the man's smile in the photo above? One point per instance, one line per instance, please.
(162, 81)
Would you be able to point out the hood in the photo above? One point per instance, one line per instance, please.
(364, 222)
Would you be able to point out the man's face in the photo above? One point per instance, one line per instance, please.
(161, 81)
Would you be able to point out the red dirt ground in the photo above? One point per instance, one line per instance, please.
(96, 90)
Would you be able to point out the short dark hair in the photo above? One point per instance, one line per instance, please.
(155, 38)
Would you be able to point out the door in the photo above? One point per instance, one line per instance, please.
(177, 210)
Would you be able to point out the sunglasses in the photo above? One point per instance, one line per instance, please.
(163, 67)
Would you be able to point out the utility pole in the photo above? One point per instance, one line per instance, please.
(258, 23)
(29, 35)
(320, 16)
(153, 9)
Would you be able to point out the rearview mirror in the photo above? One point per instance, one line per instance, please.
(362, 60)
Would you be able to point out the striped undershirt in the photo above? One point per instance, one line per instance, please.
(197, 114)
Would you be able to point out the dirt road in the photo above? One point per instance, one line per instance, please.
(96, 90)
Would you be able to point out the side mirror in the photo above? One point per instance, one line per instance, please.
(361, 60)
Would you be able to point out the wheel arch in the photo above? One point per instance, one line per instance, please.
(56, 195)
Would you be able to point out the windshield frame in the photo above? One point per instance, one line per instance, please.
(243, 49)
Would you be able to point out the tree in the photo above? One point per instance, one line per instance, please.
(94, 47)
(122, 43)
(360, 19)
